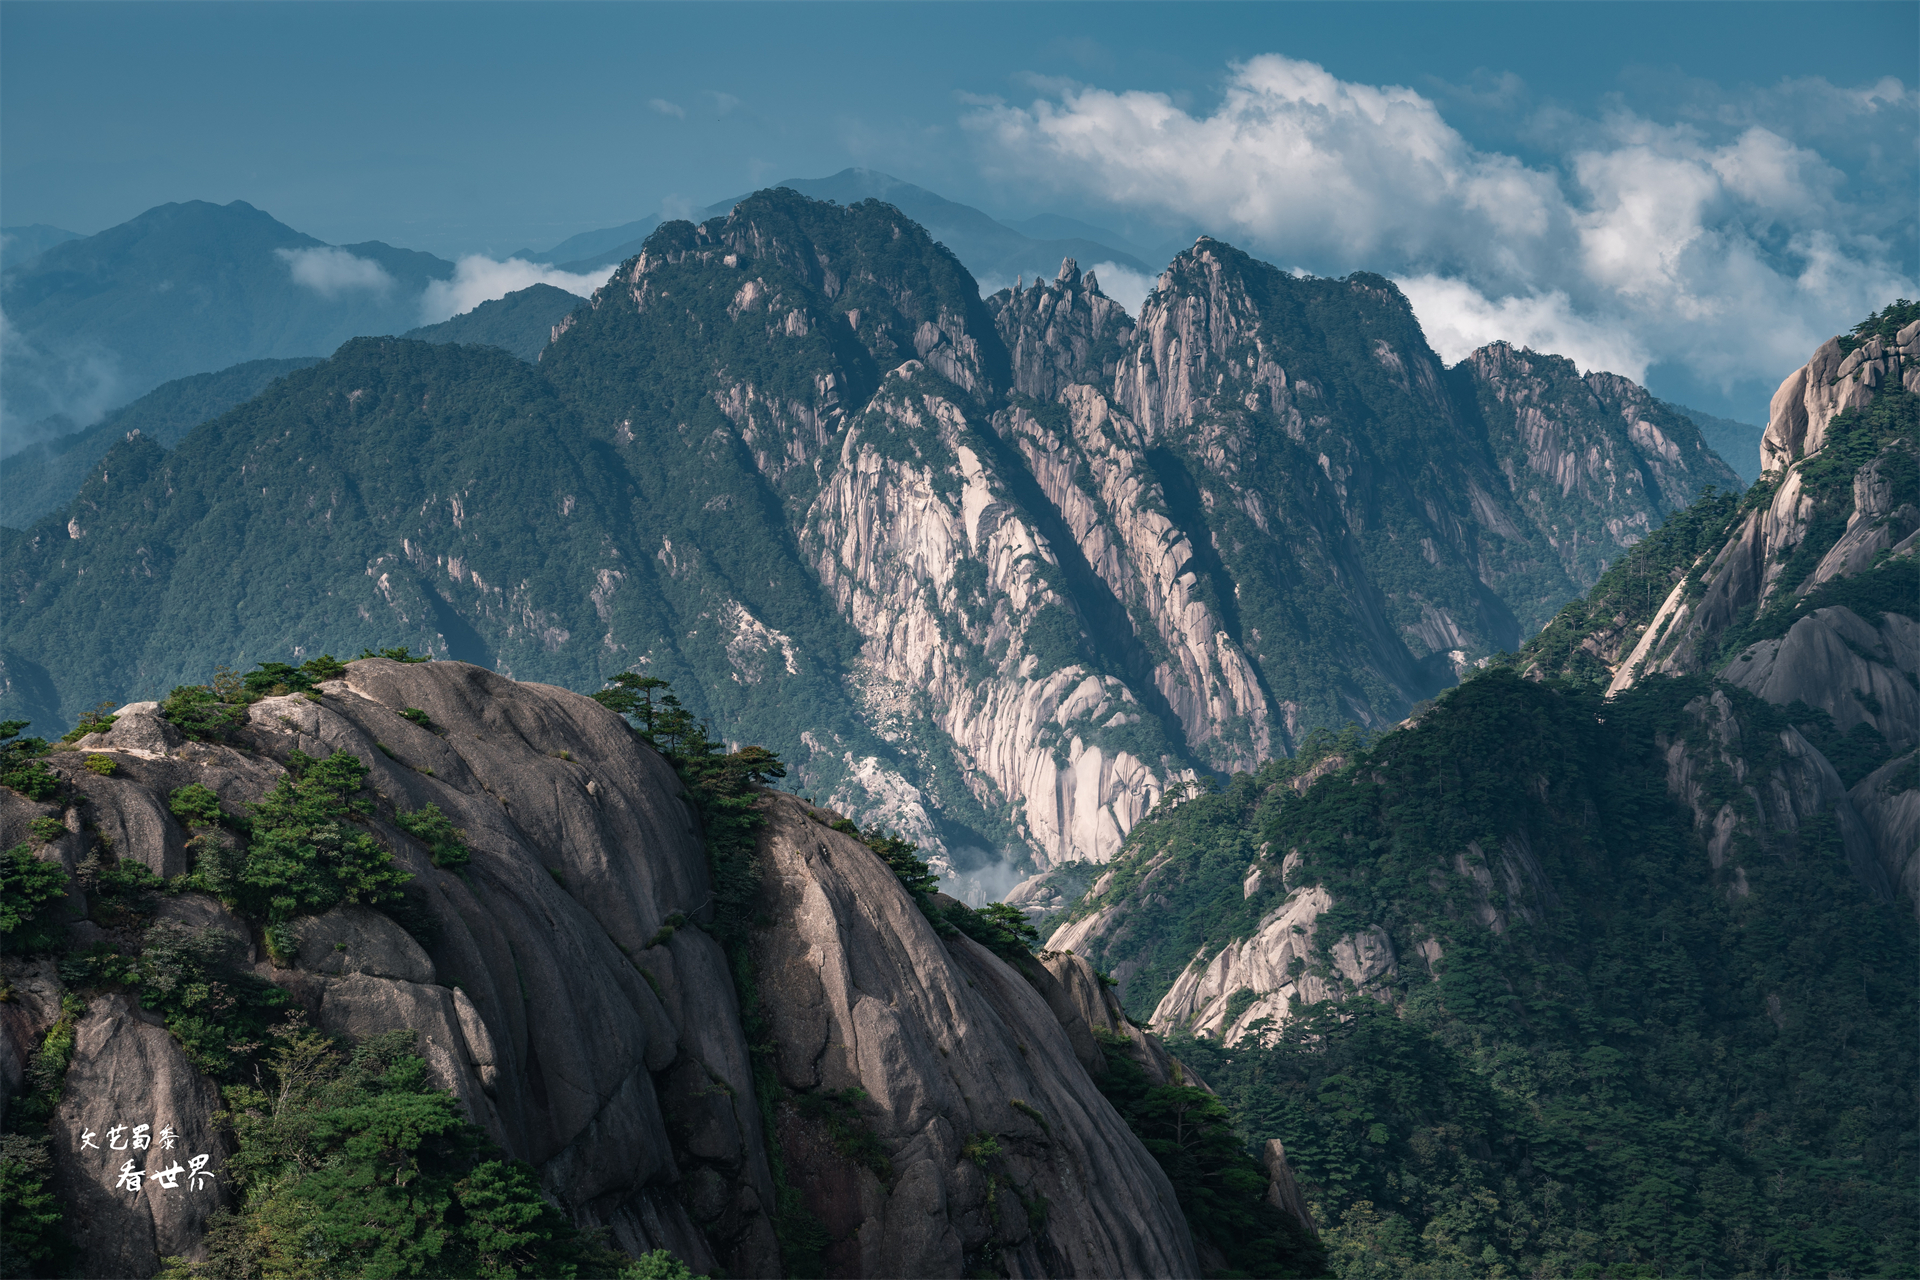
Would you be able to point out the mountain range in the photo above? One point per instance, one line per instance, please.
(1641, 899)
(994, 572)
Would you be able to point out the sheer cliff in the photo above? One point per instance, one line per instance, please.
(1682, 816)
(561, 979)
(996, 572)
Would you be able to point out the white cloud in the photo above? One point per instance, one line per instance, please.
(1127, 287)
(78, 382)
(1459, 320)
(666, 108)
(478, 279)
(1730, 248)
(331, 272)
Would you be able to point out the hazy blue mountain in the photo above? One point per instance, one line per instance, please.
(186, 288)
(1737, 442)
(993, 251)
(45, 475)
(591, 246)
(521, 322)
(22, 244)
(1054, 226)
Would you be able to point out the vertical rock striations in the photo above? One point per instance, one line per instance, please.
(993, 572)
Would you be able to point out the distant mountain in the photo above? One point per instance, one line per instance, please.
(1052, 226)
(22, 244)
(521, 322)
(46, 474)
(1737, 442)
(185, 288)
(993, 251)
(995, 572)
(591, 246)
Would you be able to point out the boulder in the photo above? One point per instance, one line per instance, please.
(1283, 1190)
(948, 1044)
(139, 1164)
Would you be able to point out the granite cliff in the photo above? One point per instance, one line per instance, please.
(1683, 815)
(564, 985)
(994, 572)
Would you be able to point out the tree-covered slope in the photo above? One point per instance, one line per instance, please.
(45, 475)
(1569, 1030)
(522, 322)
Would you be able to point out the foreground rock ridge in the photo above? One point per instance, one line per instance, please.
(581, 1034)
(1027, 561)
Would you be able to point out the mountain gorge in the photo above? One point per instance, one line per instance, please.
(995, 572)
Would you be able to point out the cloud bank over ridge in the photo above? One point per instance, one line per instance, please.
(478, 279)
(1718, 241)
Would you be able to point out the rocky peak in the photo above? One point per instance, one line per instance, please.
(1060, 332)
(1835, 380)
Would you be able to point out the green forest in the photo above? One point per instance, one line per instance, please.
(1646, 1074)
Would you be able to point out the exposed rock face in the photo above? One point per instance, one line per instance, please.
(1834, 380)
(1060, 334)
(1888, 802)
(947, 1042)
(613, 1060)
(526, 1005)
(1595, 461)
(1026, 562)
(1833, 660)
(1863, 671)
(1283, 1190)
(129, 1081)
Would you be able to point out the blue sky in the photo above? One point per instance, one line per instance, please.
(1687, 193)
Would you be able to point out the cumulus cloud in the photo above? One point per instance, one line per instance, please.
(1730, 250)
(331, 272)
(478, 279)
(666, 108)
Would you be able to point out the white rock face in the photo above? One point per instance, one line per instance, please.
(1121, 526)
(1815, 393)
(932, 563)
(1266, 965)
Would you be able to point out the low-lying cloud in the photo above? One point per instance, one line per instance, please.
(49, 392)
(331, 272)
(478, 279)
(1125, 286)
(1729, 248)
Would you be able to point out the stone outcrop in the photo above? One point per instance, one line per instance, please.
(1888, 802)
(128, 1083)
(1060, 334)
(1832, 381)
(947, 1043)
(1283, 1190)
(582, 1035)
(1861, 670)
